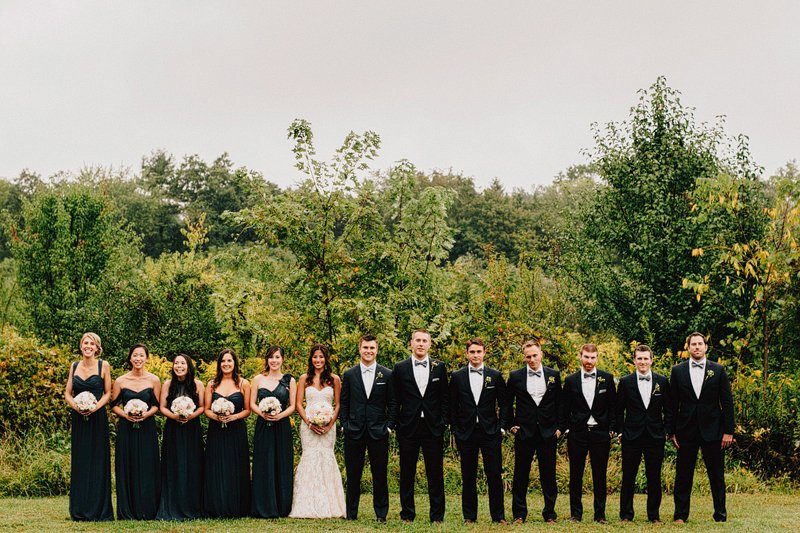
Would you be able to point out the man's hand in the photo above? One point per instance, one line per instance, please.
(727, 440)
(675, 442)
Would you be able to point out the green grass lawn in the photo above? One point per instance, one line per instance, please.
(761, 513)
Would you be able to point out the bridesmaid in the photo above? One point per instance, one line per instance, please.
(90, 481)
(227, 474)
(137, 466)
(182, 447)
(273, 461)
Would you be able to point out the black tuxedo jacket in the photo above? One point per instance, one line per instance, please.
(575, 410)
(411, 404)
(359, 414)
(543, 419)
(709, 416)
(632, 418)
(465, 413)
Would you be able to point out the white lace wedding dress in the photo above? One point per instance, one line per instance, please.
(318, 491)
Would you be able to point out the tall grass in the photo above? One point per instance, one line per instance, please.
(36, 465)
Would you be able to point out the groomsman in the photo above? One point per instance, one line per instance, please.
(367, 417)
(536, 391)
(644, 411)
(588, 414)
(420, 384)
(477, 393)
(703, 419)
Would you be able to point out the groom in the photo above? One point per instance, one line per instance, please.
(367, 416)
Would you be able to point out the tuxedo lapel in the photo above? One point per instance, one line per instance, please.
(707, 374)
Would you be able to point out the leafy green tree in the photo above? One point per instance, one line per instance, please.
(635, 246)
(69, 239)
(362, 255)
(196, 187)
(167, 303)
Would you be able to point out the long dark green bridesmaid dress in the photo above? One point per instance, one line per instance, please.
(273, 461)
(90, 479)
(226, 490)
(181, 471)
(136, 462)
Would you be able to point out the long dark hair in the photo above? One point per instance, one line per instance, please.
(130, 353)
(187, 387)
(234, 374)
(325, 377)
(271, 350)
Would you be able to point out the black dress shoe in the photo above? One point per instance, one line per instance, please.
(601, 521)
(381, 519)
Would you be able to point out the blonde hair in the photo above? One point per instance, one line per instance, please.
(96, 338)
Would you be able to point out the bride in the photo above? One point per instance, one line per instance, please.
(318, 491)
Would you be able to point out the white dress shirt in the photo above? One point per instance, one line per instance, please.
(421, 373)
(535, 384)
(368, 377)
(588, 385)
(697, 374)
(475, 382)
(645, 387)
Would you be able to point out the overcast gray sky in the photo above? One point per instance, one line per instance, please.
(490, 89)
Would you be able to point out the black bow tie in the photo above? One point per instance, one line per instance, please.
(588, 376)
(644, 378)
(476, 370)
(697, 365)
(421, 363)
(537, 373)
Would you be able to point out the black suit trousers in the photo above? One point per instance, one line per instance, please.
(490, 447)
(595, 444)
(354, 455)
(684, 475)
(545, 450)
(652, 450)
(432, 447)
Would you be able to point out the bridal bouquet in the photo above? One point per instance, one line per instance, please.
(320, 414)
(135, 407)
(183, 406)
(222, 407)
(85, 401)
(271, 406)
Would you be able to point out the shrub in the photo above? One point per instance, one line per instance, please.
(32, 380)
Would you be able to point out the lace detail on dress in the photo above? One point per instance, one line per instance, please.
(318, 491)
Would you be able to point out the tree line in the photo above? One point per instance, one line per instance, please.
(669, 227)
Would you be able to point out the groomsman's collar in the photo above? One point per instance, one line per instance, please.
(365, 367)
(648, 373)
(414, 359)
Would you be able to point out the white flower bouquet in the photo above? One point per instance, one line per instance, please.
(320, 414)
(222, 407)
(183, 406)
(135, 407)
(85, 402)
(271, 406)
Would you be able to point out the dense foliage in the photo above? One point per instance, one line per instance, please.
(667, 229)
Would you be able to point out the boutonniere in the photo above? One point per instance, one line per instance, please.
(657, 388)
(434, 364)
(380, 375)
(601, 379)
(709, 374)
(487, 380)
(551, 380)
